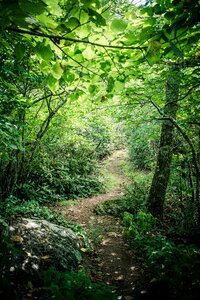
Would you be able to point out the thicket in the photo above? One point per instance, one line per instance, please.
(64, 169)
(172, 267)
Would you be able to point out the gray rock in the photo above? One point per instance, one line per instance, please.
(42, 245)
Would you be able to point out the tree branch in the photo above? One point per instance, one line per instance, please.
(189, 91)
(156, 106)
(59, 38)
(74, 60)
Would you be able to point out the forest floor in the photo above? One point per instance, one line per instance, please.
(112, 260)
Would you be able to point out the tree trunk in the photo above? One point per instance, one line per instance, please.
(156, 197)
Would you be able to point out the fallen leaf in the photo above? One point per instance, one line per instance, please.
(84, 249)
(46, 257)
(17, 239)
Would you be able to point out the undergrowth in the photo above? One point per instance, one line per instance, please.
(72, 286)
(133, 199)
(172, 265)
(173, 269)
(14, 207)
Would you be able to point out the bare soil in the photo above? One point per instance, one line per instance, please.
(112, 260)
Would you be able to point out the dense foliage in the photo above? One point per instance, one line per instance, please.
(74, 75)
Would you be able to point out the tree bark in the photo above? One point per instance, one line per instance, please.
(156, 197)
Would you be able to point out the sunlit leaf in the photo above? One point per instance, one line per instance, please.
(68, 76)
(43, 51)
(88, 53)
(47, 21)
(119, 86)
(92, 88)
(118, 25)
(52, 83)
(153, 52)
(83, 17)
(53, 6)
(72, 23)
(57, 70)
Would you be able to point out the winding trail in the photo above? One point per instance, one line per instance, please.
(112, 261)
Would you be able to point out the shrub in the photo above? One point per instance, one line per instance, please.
(173, 270)
(72, 286)
(142, 146)
(132, 201)
(61, 172)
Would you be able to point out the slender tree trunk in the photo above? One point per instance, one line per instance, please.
(156, 197)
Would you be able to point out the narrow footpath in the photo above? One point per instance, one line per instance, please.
(112, 261)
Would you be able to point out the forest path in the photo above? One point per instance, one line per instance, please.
(112, 260)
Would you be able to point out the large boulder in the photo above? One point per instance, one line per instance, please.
(42, 244)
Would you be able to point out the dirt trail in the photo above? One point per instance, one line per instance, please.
(112, 260)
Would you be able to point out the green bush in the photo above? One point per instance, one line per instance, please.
(14, 207)
(72, 286)
(177, 267)
(101, 135)
(139, 228)
(173, 269)
(61, 172)
(142, 146)
(132, 201)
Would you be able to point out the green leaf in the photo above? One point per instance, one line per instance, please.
(45, 67)
(83, 17)
(110, 84)
(119, 86)
(96, 18)
(68, 76)
(153, 52)
(148, 10)
(92, 88)
(43, 51)
(88, 53)
(74, 96)
(118, 25)
(105, 65)
(146, 33)
(32, 7)
(52, 83)
(53, 7)
(130, 38)
(72, 23)
(176, 50)
(57, 70)
(19, 50)
(47, 21)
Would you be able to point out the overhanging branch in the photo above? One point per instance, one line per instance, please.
(58, 38)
